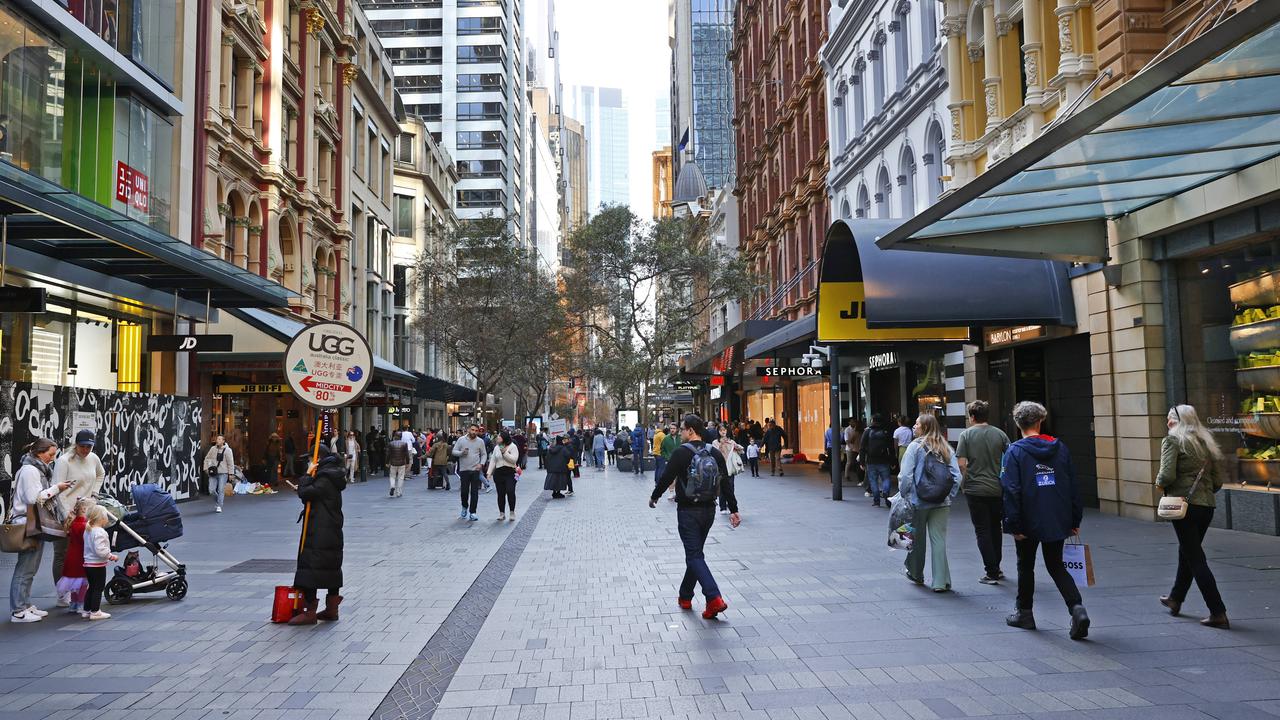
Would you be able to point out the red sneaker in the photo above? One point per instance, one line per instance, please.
(715, 606)
(685, 604)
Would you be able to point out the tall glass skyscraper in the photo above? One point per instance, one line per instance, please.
(702, 87)
(605, 117)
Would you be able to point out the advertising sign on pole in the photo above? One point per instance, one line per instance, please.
(558, 426)
(328, 365)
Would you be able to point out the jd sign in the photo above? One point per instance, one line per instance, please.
(328, 365)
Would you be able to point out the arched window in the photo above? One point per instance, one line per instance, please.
(864, 202)
(907, 181)
(935, 148)
(254, 233)
(320, 294)
(292, 271)
(901, 44)
(844, 209)
(234, 233)
(842, 122)
(928, 27)
(859, 98)
(883, 191)
(877, 74)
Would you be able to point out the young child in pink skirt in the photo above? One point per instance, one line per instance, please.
(73, 580)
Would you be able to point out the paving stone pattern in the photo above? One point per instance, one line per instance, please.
(215, 655)
(418, 691)
(823, 625)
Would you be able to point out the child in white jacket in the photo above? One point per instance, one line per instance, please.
(97, 553)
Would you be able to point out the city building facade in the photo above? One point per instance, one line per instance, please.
(663, 182)
(97, 173)
(605, 117)
(574, 173)
(460, 66)
(701, 93)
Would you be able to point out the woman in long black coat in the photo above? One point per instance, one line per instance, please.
(320, 552)
(557, 468)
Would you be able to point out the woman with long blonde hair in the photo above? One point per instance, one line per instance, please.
(1189, 467)
(929, 479)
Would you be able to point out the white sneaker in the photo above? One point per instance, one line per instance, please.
(724, 512)
(64, 600)
(217, 509)
(866, 494)
(502, 516)
(99, 615)
(85, 614)
(24, 616)
(36, 611)
(512, 518)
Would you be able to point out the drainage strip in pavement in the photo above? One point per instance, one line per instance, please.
(417, 693)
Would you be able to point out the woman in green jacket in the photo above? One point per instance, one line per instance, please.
(1189, 467)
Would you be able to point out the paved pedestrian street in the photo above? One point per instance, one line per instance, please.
(570, 613)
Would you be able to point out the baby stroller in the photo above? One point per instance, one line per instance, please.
(155, 519)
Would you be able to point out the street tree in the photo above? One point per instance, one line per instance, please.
(639, 289)
(481, 296)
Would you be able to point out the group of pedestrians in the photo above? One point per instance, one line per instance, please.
(1028, 488)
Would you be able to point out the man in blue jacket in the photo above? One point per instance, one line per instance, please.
(638, 441)
(1042, 509)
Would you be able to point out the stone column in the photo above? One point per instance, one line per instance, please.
(953, 29)
(991, 64)
(1068, 47)
(1033, 42)
(227, 67)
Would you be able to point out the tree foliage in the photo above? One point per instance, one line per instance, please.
(638, 289)
(481, 296)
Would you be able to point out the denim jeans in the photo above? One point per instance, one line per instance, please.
(24, 572)
(879, 478)
(637, 461)
(659, 464)
(599, 459)
(693, 524)
(216, 481)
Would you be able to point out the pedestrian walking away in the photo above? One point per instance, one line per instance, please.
(33, 489)
(320, 549)
(903, 435)
(83, 470)
(774, 440)
(929, 480)
(557, 468)
(504, 463)
(876, 454)
(980, 450)
(598, 449)
(469, 452)
(220, 464)
(1042, 508)
(1190, 468)
(851, 445)
(638, 442)
(397, 466)
(697, 470)
(733, 465)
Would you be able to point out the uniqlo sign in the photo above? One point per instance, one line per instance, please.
(132, 187)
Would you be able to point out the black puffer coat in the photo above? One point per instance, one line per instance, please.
(320, 557)
(557, 469)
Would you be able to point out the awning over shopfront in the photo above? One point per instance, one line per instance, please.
(747, 331)
(434, 388)
(1207, 110)
(284, 329)
(934, 290)
(51, 221)
(793, 336)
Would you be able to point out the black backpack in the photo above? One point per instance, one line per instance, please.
(936, 481)
(879, 447)
(702, 479)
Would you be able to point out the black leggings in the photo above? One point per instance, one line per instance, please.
(310, 594)
(97, 577)
(504, 481)
(1052, 552)
(1192, 564)
(726, 489)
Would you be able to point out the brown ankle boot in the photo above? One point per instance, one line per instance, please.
(330, 612)
(308, 614)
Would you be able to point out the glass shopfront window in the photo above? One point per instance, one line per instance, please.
(1230, 330)
(75, 345)
(63, 119)
(139, 29)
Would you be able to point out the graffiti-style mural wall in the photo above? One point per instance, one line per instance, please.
(140, 437)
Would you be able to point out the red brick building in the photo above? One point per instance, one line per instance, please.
(781, 135)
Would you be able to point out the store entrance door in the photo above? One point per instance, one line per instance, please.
(1070, 402)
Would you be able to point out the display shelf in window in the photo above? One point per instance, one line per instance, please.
(1265, 425)
(1263, 377)
(1261, 334)
(1263, 289)
(1259, 473)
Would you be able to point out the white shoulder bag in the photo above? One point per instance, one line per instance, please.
(1175, 508)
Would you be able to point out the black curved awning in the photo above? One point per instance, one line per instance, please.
(918, 289)
(439, 390)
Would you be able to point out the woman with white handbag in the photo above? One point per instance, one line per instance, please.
(733, 464)
(1189, 476)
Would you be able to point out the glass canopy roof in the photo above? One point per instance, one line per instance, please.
(1205, 111)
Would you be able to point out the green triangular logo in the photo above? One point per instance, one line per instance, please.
(300, 367)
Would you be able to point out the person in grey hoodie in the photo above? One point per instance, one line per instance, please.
(470, 453)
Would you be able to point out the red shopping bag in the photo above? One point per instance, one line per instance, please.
(288, 600)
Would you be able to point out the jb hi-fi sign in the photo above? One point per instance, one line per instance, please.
(132, 187)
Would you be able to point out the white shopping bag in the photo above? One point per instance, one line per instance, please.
(1075, 555)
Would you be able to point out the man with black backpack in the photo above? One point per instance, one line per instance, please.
(698, 471)
(877, 454)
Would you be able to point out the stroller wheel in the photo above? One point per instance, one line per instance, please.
(176, 589)
(118, 591)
